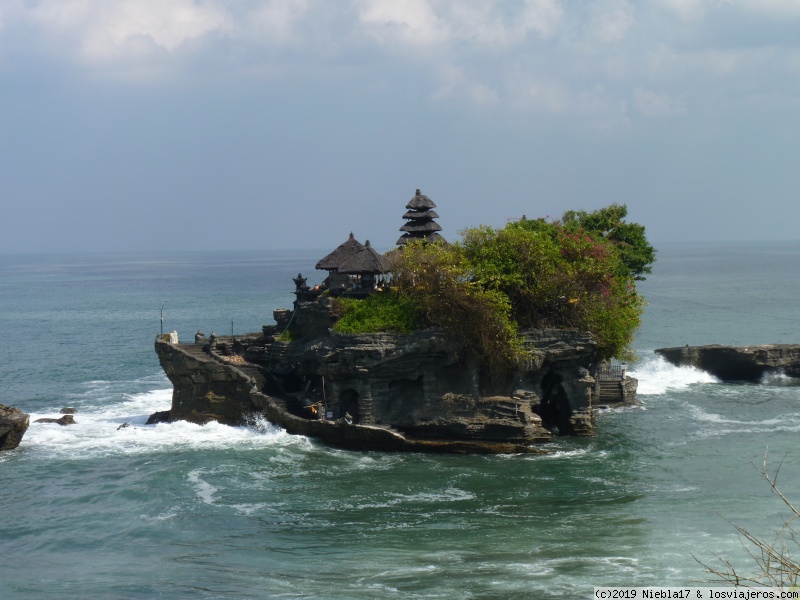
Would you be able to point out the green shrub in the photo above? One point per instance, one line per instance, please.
(559, 276)
(439, 278)
(285, 336)
(576, 273)
(381, 312)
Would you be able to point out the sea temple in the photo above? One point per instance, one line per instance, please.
(418, 391)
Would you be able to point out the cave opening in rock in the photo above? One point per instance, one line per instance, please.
(555, 410)
(349, 404)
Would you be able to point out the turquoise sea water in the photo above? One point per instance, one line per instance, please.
(183, 511)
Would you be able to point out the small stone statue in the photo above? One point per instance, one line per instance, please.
(199, 336)
(300, 283)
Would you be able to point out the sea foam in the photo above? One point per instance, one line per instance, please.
(119, 428)
(657, 376)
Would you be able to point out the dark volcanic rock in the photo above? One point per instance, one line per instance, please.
(13, 425)
(65, 420)
(402, 392)
(419, 391)
(68, 411)
(737, 363)
(161, 416)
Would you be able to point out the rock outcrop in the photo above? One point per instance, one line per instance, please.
(385, 391)
(13, 425)
(737, 363)
(67, 419)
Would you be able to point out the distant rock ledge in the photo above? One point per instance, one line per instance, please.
(737, 363)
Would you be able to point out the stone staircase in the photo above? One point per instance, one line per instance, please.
(610, 392)
(195, 350)
(366, 416)
(508, 410)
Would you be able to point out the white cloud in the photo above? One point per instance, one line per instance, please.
(541, 16)
(454, 83)
(655, 104)
(790, 8)
(275, 22)
(686, 9)
(550, 56)
(548, 96)
(468, 22)
(411, 22)
(611, 20)
(110, 30)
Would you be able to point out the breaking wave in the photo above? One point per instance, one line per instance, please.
(119, 428)
(657, 376)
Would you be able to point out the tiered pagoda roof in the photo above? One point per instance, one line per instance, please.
(421, 224)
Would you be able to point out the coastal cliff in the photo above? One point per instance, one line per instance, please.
(414, 391)
(737, 363)
(13, 425)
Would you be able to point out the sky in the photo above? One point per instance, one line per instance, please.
(146, 125)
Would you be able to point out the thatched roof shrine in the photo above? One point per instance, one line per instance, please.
(421, 224)
(343, 252)
(365, 261)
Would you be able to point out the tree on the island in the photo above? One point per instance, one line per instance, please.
(528, 274)
(559, 276)
(609, 223)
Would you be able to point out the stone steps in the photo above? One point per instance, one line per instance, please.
(610, 391)
(195, 350)
(366, 416)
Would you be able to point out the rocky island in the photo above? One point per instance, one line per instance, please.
(393, 391)
(433, 347)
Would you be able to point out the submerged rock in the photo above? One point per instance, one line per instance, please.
(65, 420)
(161, 416)
(13, 425)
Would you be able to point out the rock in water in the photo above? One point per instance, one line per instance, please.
(65, 420)
(737, 363)
(161, 416)
(13, 425)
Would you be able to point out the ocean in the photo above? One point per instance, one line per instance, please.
(177, 510)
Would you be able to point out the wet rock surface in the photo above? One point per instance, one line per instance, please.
(13, 425)
(67, 419)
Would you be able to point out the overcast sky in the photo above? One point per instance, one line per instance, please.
(245, 124)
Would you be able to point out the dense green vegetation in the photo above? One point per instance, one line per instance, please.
(380, 312)
(578, 272)
(629, 239)
(438, 277)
